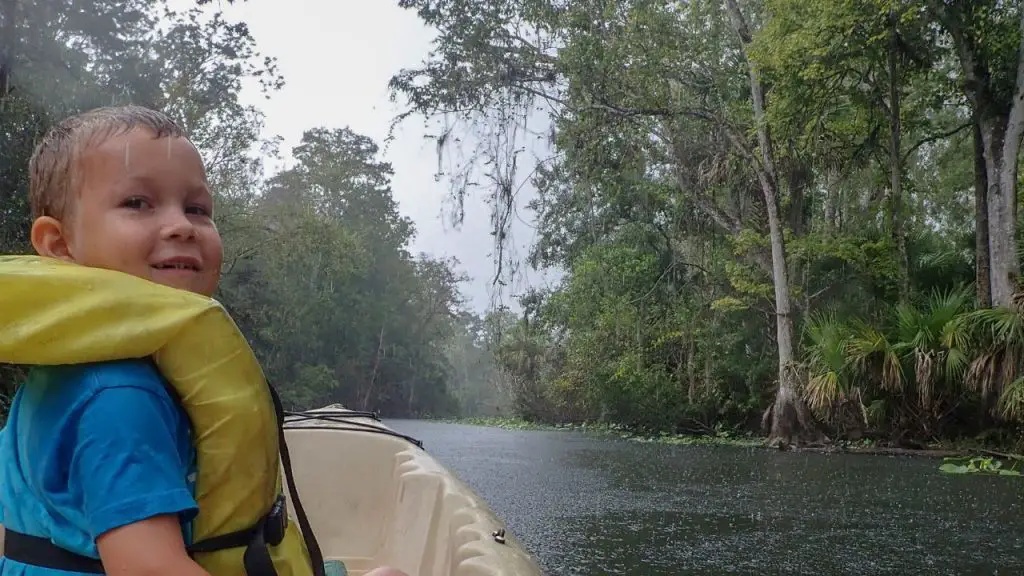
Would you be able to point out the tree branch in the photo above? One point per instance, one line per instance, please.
(934, 137)
(766, 172)
(974, 70)
(739, 22)
(665, 273)
(725, 220)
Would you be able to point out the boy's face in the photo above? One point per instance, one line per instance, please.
(143, 208)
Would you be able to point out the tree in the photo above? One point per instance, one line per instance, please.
(335, 304)
(987, 37)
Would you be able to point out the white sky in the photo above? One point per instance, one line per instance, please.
(336, 57)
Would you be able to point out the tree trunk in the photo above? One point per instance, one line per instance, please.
(790, 419)
(1001, 171)
(789, 414)
(365, 404)
(831, 200)
(691, 369)
(799, 178)
(412, 391)
(983, 288)
(1001, 141)
(1000, 123)
(709, 372)
(896, 165)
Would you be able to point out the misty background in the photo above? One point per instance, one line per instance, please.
(337, 58)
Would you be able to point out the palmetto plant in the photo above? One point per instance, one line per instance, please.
(996, 371)
(915, 366)
(934, 340)
(827, 365)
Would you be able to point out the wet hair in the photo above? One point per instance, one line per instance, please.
(54, 163)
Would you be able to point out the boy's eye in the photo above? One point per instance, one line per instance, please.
(200, 210)
(135, 203)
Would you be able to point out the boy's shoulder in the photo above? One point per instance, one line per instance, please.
(73, 383)
(109, 372)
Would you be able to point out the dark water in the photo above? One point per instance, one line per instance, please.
(588, 505)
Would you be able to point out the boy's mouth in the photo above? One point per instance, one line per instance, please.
(178, 264)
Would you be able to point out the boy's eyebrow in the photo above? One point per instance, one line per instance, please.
(134, 179)
(196, 187)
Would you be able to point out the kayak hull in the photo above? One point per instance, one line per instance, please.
(374, 498)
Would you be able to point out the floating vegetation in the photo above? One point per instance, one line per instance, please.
(990, 465)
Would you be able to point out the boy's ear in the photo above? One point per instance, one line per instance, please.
(50, 239)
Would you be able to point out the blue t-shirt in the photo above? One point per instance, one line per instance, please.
(88, 448)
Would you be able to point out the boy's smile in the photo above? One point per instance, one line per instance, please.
(142, 207)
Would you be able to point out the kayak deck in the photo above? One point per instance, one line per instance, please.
(374, 497)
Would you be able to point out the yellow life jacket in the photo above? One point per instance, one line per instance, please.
(54, 313)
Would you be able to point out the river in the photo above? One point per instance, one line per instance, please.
(584, 504)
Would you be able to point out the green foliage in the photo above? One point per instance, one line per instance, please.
(333, 302)
(652, 206)
(983, 465)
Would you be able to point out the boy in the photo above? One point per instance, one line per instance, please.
(97, 458)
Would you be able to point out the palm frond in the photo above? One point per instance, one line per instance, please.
(955, 365)
(828, 337)
(999, 326)
(982, 375)
(1011, 401)
(869, 348)
(956, 334)
(822, 392)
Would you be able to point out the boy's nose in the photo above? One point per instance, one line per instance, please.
(177, 226)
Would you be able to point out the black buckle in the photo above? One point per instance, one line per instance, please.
(276, 522)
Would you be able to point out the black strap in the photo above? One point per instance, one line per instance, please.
(313, 547)
(269, 530)
(36, 551)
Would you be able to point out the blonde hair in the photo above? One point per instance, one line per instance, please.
(53, 164)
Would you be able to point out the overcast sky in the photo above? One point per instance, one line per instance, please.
(336, 57)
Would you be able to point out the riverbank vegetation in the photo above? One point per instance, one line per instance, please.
(795, 216)
(611, 430)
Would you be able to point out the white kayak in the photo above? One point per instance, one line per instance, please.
(375, 497)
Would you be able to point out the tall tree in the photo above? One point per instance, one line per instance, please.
(987, 36)
(788, 415)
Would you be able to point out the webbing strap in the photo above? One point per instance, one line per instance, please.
(271, 528)
(36, 551)
(315, 555)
